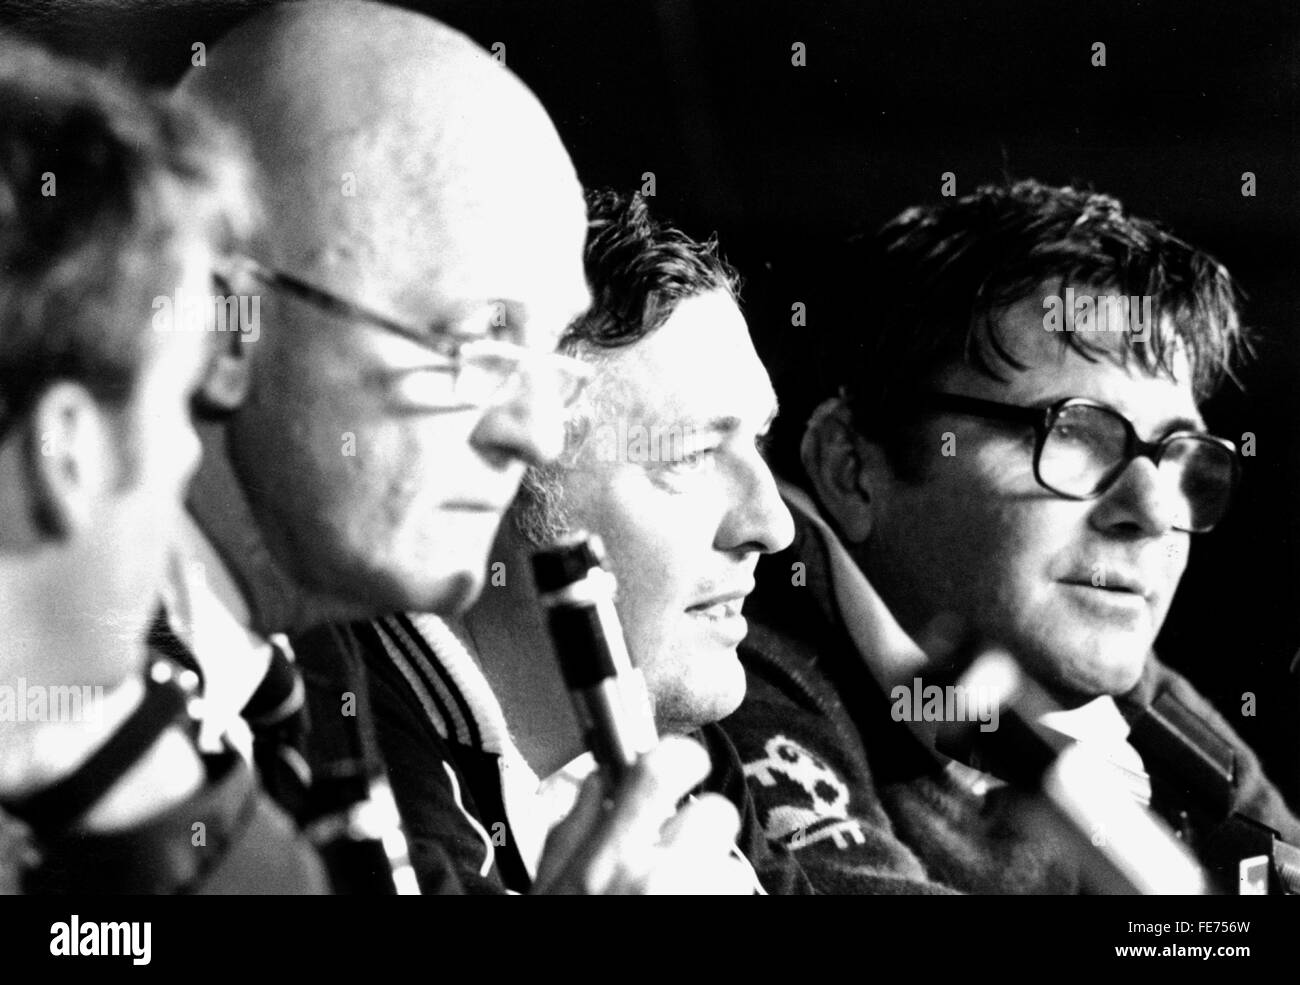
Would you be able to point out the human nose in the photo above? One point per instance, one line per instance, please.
(1141, 500)
(758, 520)
(524, 422)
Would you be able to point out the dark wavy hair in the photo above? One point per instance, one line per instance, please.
(639, 269)
(927, 291)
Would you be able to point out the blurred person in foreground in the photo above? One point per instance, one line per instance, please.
(109, 200)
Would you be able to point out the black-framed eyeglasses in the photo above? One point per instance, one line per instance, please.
(480, 368)
(1083, 446)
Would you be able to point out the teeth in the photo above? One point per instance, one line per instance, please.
(721, 610)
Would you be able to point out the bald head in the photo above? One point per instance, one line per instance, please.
(376, 130)
(405, 171)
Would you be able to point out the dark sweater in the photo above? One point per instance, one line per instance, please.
(446, 778)
(868, 809)
(245, 846)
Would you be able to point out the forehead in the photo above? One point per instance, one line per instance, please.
(426, 238)
(1054, 370)
(699, 366)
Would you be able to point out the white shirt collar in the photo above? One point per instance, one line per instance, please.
(206, 610)
(894, 658)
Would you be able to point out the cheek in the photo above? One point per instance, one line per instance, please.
(653, 545)
(391, 490)
(980, 533)
(1176, 554)
(633, 545)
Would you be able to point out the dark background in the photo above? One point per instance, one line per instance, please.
(780, 160)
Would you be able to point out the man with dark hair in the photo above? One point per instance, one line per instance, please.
(109, 201)
(663, 462)
(1017, 458)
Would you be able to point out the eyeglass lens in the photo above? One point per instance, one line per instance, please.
(1084, 452)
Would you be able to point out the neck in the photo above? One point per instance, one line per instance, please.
(275, 602)
(510, 642)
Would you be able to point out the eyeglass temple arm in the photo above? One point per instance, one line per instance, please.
(987, 408)
(329, 301)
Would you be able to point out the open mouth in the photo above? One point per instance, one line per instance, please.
(471, 506)
(718, 611)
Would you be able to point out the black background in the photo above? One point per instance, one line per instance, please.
(780, 159)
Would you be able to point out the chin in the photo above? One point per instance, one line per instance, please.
(417, 589)
(1089, 676)
(453, 594)
(686, 708)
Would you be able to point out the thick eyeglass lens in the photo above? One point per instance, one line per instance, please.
(1083, 451)
(1204, 471)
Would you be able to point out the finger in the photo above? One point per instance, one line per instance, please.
(705, 826)
(572, 837)
(649, 794)
(623, 846)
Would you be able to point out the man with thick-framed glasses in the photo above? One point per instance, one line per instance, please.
(1082, 447)
(983, 480)
(422, 253)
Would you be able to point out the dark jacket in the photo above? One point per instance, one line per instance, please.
(228, 838)
(446, 774)
(868, 809)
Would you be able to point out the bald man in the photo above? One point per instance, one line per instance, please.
(421, 256)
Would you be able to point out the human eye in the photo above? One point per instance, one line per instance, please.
(690, 456)
(694, 460)
(1091, 432)
(680, 457)
(424, 386)
(497, 321)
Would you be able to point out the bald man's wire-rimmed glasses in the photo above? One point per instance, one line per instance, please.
(1083, 446)
(481, 368)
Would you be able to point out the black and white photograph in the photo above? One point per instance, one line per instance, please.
(649, 447)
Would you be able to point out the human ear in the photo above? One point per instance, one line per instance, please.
(70, 459)
(228, 376)
(845, 469)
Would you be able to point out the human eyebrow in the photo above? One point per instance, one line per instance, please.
(728, 424)
(725, 424)
(1181, 424)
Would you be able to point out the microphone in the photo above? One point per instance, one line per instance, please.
(1125, 849)
(1200, 773)
(609, 695)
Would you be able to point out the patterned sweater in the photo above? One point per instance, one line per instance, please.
(455, 772)
(869, 808)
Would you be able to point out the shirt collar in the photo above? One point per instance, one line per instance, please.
(894, 659)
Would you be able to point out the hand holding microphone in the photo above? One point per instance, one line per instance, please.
(627, 833)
